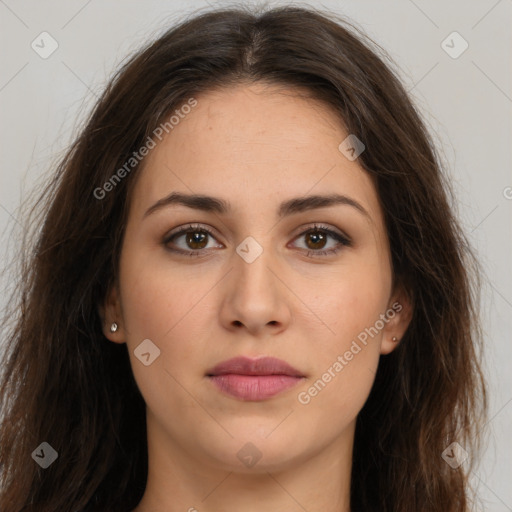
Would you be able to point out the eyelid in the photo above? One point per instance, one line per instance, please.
(188, 227)
(321, 227)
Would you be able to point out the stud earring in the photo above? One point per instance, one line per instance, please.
(394, 338)
(113, 327)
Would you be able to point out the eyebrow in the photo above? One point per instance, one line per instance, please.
(288, 207)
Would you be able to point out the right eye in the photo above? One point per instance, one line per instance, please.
(194, 240)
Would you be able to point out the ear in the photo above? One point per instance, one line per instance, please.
(111, 313)
(398, 315)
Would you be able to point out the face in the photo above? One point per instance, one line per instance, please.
(259, 271)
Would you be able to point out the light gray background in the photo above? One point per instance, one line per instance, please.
(466, 102)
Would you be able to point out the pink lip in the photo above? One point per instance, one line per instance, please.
(254, 379)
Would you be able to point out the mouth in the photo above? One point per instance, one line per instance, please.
(254, 379)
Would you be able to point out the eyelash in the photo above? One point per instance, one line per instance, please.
(342, 240)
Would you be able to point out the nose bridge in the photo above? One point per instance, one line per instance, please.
(253, 262)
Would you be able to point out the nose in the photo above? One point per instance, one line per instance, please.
(255, 296)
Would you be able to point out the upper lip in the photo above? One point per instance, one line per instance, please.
(259, 366)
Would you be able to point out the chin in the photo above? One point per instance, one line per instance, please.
(255, 451)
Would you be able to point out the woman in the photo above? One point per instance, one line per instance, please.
(248, 292)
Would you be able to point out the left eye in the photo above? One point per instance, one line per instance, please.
(196, 240)
(317, 241)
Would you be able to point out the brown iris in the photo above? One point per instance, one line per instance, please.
(318, 239)
(196, 237)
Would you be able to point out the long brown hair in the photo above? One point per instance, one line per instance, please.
(66, 385)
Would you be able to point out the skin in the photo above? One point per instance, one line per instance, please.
(254, 146)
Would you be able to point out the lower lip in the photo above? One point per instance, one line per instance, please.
(254, 387)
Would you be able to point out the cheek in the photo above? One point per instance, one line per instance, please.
(157, 296)
(346, 352)
(170, 309)
(350, 301)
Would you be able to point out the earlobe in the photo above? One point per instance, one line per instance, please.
(399, 315)
(111, 317)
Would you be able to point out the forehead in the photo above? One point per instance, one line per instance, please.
(254, 145)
